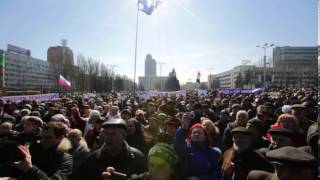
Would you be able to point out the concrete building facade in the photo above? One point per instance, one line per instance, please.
(26, 72)
(293, 67)
(60, 55)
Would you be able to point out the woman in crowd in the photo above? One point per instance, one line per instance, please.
(290, 122)
(197, 158)
(213, 132)
(135, 134)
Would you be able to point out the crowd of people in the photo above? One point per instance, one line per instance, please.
(265, 135)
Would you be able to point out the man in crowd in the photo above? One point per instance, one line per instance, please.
(115, 153)
(242, 118)
(48, 159)
(290, 163)
(239, 160)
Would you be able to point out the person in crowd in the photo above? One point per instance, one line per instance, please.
(31, 124)
(242, 118)
(6, 128)
(197, 113)
(223, 121)
(84, 123)
(114, 113)
(170, 127)
(79, 150)
(151, 110)
(290, 122)
(49, 158)
(135, 135)
(152, 131)
(312, 139)
(279, 137)
(290, 163)
(213, 133)
(234, 110)
(162, 160)
(241, 158)
(264, 114)
(257, 128)
(139, 115)
(115, 153)
(125, 114)
(299, 110)
(197, 158)
(94, 131)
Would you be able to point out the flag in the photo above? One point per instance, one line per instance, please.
(63, 82)
(198, 77)
(148, 6)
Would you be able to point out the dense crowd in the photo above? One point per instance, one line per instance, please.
(266, 135)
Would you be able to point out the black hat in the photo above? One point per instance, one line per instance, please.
(116, 122)
(280, 131)
(125, 111)
(313, 131)
(258, 124)
(101, 120)
(309, 104)
(290, 156)
(241, 130)
(224, 112)
(298, 106)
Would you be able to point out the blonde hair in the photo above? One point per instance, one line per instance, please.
(289, 118)
(215, 130)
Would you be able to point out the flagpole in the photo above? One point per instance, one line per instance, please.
(135, 54)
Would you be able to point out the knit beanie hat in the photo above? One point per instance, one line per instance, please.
(94, 114)
(164, 151)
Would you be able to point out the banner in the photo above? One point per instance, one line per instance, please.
(89, 95)
(39, 97)
(241, 91)
(148, 94)
(202, 92)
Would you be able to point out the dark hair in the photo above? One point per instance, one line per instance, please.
(138, 127)
(59, 129)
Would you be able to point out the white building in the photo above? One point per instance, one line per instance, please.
(22, 71)
(151, 81)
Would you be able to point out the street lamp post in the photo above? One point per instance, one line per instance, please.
(160, 67)
(264, 47)
(112, 66)
(210, 79)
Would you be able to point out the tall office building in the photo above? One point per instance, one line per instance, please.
(151, 81)
(295, 57)
(60, 55)
(150, 68)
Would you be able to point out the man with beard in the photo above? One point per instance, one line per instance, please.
(49, 158)
(239, 160)
(115, 153)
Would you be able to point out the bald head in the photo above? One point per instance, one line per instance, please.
(75, 137)
(242, 118)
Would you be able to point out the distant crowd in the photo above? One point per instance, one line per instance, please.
(259, 136)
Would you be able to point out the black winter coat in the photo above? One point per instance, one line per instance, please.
(48, 164)
(130, 161)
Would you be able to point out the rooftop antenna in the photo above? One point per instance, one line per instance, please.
(64, 42)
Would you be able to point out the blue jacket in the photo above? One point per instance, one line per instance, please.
(195, 160)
